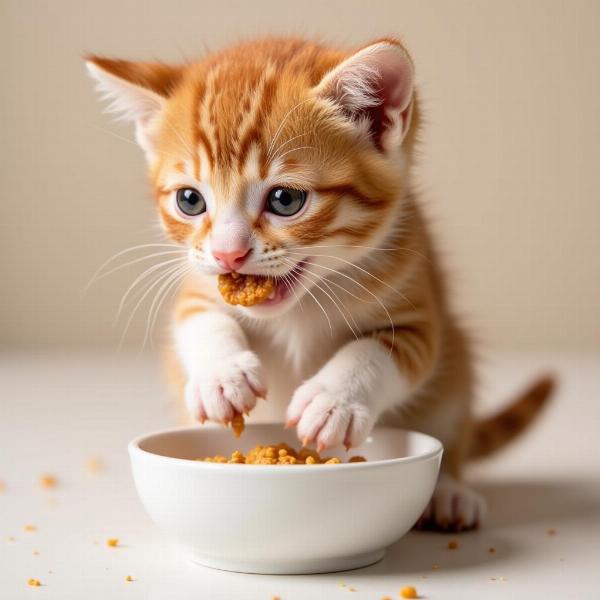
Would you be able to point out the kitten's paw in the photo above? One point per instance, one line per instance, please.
(328, 415)
(219, 389)
(454, 507)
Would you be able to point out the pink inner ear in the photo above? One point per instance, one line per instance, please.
(376, 83)
(393, 88)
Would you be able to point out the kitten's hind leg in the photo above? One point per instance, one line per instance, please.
(453, 507)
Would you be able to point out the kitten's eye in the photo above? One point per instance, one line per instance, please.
(190, 202)
(285, 202)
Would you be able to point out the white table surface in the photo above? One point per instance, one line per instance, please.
(56, 411)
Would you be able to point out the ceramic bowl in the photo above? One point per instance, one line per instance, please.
(283, 519)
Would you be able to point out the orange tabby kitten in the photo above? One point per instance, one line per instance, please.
(292, 160)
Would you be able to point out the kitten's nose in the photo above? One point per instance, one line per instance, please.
(232, 259)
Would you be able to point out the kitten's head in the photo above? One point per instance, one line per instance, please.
(278, 157)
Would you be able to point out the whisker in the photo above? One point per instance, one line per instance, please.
(292, 139)
(141, 277)
(279, 129)
(387, 312)
(316, 284)
(125, 251)
(159, 297)
(161, 278)
(320, 305)
(393, 289)
(279, 157)
(397, 249)
(133, 262)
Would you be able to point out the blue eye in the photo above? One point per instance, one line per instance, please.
(190, 202)
(285, 202)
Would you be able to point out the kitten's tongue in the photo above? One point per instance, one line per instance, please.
(277, 295)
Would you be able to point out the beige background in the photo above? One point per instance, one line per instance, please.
(510, 167)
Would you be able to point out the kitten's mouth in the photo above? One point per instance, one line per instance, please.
(250, 290)
(284, 285)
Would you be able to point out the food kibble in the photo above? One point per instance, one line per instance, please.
(34, 582)
(551, 531)
(452, 545)
(129, 578)
(408, 591)
(112, 542)
(247, 290)
(30, 528)
(48, 481)
(238, 425)
(279, 454)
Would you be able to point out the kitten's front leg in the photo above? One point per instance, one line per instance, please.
(223, 375)
(342, 402)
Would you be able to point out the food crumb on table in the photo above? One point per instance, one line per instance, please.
(11, 538)
(129, 578)
(435, 567)
(112, 542)
(408, 591)
(36, 553)
(551, 531)
(492, 550)
(452, 545)
(30, 528)
(94, 465)
(48, 481)
(351, 589)
(2, 487)
(34, 582)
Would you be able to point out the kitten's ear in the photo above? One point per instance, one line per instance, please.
(375, 84)
(137, 92)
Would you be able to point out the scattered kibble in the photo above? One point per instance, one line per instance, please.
(492, 579)
(112, 542)
(408, 591)
(34, 582)
(351, 589)
(435, 567)
(452, 545)
(551, 531)
(48, 481)
(276, 598)
(386, 598)
(36, 553)
(492, 550)
(129, 578)
(94, 465)
(30, 528)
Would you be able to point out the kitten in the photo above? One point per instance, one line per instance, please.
(291, 159)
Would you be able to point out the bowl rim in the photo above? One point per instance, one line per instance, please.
(133, 448)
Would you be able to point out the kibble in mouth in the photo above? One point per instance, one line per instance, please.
(245, 289)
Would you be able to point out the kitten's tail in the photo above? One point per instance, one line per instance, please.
(494, 432)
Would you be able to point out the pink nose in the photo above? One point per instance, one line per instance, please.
(233, 259)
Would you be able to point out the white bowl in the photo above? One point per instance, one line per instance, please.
(283, 519)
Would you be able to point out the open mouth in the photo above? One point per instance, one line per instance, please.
(248, 289)
(284, 286)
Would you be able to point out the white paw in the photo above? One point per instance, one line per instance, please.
(328, 414)
(218, 389)
(453, 507)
